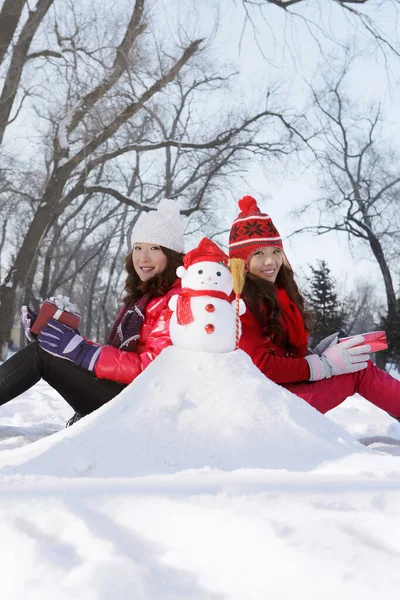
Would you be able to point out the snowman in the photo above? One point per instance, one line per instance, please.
(205, 313)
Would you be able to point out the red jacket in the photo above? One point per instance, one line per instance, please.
(269, 357)
(293, 373)
(119, 365)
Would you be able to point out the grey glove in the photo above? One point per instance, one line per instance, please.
(327, 342)
(346, 357)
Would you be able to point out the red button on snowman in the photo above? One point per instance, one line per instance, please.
(204, 313)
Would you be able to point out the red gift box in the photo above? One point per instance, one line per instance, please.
(49, 310)
(376, 339)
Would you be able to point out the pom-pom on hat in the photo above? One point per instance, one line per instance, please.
(251, 230)
(163, 227)
(206, 251)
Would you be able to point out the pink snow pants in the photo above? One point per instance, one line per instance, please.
(372, 383)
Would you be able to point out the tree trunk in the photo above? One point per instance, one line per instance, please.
(18, 60)
(44, 288)
(9, 18)
(88, 327)
(7, 308)
(387, 277)
(19, 272)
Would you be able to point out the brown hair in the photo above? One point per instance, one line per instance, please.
(157, 285)
(260, 297)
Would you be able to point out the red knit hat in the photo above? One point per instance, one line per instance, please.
(206, 251)
(251, 230)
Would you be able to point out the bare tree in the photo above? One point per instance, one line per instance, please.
(362, 308)
(360, 178)
(54, 200)
(135, 114)
(363, 15)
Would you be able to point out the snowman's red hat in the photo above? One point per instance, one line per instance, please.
(206, 251)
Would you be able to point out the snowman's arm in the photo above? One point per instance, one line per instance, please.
(173, 301)
(242, 306)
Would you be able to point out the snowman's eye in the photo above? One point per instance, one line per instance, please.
(200, 271)
(219, 273)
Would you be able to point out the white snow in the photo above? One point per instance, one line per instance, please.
(201, 481)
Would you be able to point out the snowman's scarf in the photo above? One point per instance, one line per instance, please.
(184, 314)
(126, 329)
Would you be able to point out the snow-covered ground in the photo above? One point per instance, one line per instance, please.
(181, 488)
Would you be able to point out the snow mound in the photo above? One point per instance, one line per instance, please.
(190, 410)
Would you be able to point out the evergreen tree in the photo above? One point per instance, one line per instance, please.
(325, 311)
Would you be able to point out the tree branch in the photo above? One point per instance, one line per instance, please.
(43, 53)
(129, 111)
(133, 31)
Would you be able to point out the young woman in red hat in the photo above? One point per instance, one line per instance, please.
(274, 331)
(88, 375)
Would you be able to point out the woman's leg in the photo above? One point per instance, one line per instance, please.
(372, 383)
(80, 388)
(380, 388)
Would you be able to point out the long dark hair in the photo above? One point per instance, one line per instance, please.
(260, 297)
(157, 285)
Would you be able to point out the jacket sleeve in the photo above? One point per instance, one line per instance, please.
(124, 367)
(280, 369)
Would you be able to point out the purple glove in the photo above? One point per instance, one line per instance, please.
(28, 317)
(339, 359)
(64, 342)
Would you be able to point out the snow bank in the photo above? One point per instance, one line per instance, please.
(190, 410)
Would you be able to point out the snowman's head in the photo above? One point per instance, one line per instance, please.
(206, 275)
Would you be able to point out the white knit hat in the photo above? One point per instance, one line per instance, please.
(163, 227)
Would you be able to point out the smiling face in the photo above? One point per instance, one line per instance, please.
(148, 260)
(208, 275)
(266, 263)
